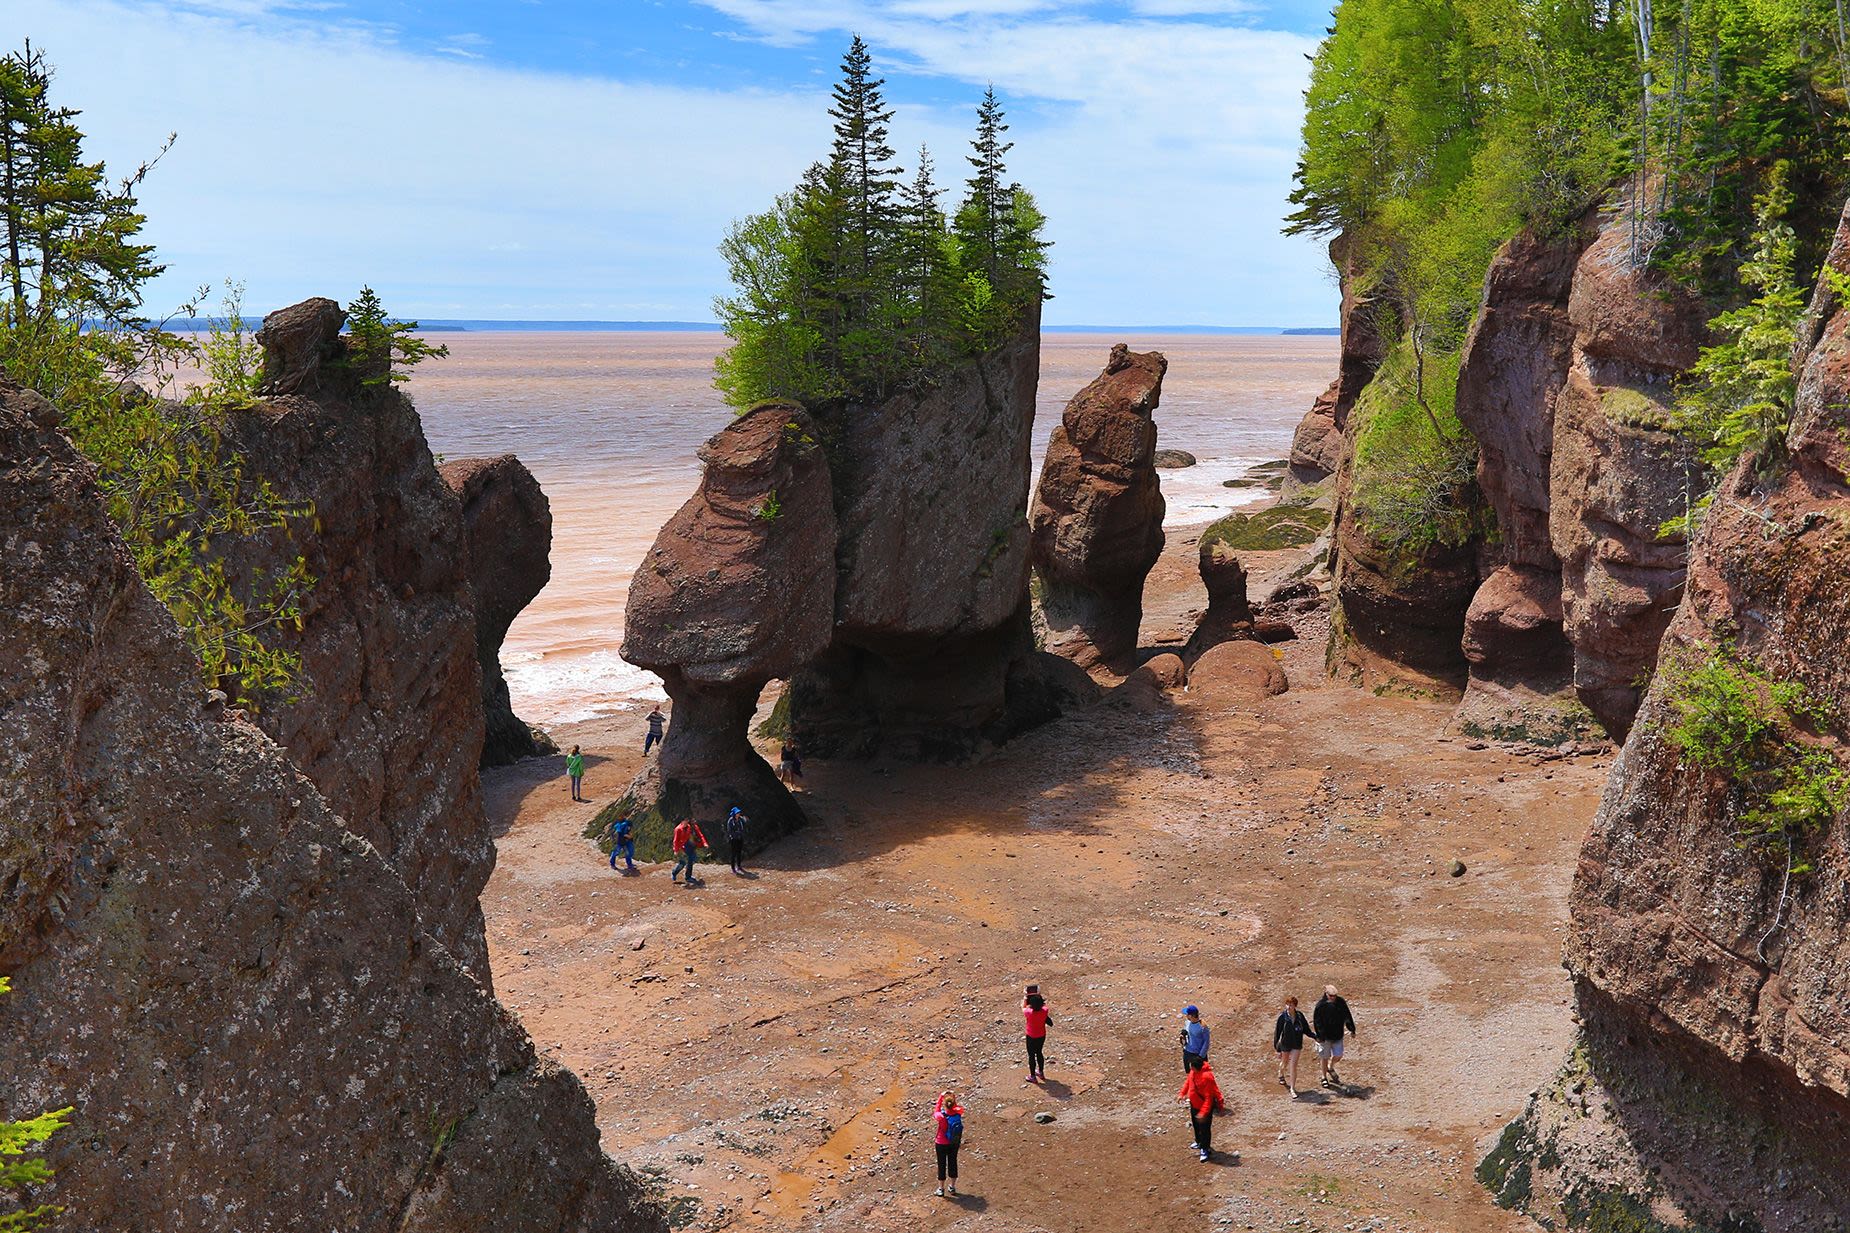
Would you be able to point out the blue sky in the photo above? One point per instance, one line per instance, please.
(581, 158)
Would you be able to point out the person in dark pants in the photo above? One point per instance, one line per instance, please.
(948, 1119)
(1037, 1020)
(1194, 1039)
(623, 843)
(735, 837)
(1288, 1034)
(655, 731)
(688, 840)
(1329, 1019)
(1203, 1096)
(575, 771)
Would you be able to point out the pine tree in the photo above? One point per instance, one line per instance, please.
(980, 220)
(927, 271)
(866, 179)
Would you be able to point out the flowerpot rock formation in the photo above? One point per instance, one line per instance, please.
(1097, 520)
(507, 523)
(738, 590)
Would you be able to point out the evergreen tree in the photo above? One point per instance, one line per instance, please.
(866, 181)
(981, 219)
(927, 268)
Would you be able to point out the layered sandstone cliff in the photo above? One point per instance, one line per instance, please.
(1711, 954)
(1097, 521)
(246, 1001)
(507, 525)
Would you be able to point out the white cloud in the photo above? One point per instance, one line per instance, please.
(312, 159)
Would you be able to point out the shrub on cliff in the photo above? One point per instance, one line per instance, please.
(854, 284)
(20, 1170)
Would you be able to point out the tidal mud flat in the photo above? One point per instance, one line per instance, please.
(768, 1048)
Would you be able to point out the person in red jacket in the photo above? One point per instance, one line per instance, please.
(688, 839)
(1204, 1100)
(948, 1119)
(1036, 1020)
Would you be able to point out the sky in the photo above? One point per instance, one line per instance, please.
(580, 159)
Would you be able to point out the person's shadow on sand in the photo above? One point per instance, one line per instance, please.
(1055, 1089)
(1313, 1098)
(969, 1202)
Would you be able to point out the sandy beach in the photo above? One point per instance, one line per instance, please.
(768, 1048)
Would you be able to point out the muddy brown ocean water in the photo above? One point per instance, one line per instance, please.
(609, 423)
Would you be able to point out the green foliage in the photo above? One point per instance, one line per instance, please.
(20, 1169)
(854, 284)
(1738, 397)
(73, 267)
(381, 350)
(1735, 721)
(769, 508)
(1415, 466)
(1289, 524)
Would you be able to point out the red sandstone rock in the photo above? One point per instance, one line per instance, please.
(1718, 1010)
(1228, 614)
(239, 994)
(1097, 520)
(507, 522)
(1237, 673)
(1317, 447)
(738, 590)
(386, 720)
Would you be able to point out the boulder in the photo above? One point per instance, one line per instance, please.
(385, 717)
(1172, 460)
(210, 965)
(1619, 472)
(1166, 670)
(738, 590)
(1712, 974)
(1228, 613)
(932, 655)
(1237, 673)
(507, 523)
(1097, 521)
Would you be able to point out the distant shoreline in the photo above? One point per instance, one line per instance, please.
(442, 325)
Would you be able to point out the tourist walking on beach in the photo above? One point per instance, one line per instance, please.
(688, 839)
(623, 843)
(1288, 1035)
(1329, 1019)
(789, 765)
(1194, 1039)
(1203, 1097)
(948, 1119)
(575, 770)
(735, 838)
(656, 720)
(1037, 1019)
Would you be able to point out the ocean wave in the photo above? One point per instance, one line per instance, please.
(560, 688)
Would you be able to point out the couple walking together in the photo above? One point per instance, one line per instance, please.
(1327, 1026)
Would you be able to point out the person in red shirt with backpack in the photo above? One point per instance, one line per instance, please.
(948, 1117)
(1204, 1100)
(1036, 1020)
(686, 833)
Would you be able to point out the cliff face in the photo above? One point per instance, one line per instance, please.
(1714, 988)
(1097, 523)
(738, 589)
(241, 997)
(507, 525)
(932, 654)
(387, 718)
(1317, 448)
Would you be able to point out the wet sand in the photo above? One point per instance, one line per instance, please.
(768, 1048)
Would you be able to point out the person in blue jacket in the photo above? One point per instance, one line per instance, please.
(1194, 1038)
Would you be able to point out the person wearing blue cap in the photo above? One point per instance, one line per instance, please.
(1194, 1038)
(735, 838)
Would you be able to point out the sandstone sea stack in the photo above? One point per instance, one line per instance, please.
(1097, 522)
(243, 998)
(385, 717)
(932, 655)
(507, 523)
(1714, 1080)
(738, 590)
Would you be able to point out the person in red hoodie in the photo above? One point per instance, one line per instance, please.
(688, 839)
(1036, 1020)
(1204, 1100)
(948, 1118)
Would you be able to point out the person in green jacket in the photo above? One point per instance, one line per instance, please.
(575, 767)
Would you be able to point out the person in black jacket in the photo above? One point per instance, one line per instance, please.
(1288, 1035)
(1330, 1018)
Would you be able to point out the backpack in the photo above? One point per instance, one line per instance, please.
(954, 1127)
